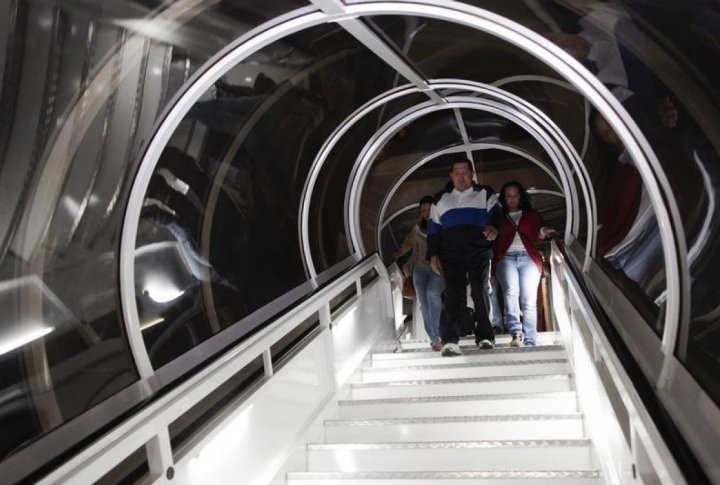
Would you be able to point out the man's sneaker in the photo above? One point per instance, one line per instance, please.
(516, 339)
(451, 350)
(486, 344)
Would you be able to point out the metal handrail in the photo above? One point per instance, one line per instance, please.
(152, 421)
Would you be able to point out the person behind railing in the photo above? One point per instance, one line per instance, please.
(459, 246)
(428, 285)
(516, 263)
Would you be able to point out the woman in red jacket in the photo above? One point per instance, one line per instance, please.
(517, 264)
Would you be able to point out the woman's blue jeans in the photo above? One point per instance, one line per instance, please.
(428, 288)
(519, 278)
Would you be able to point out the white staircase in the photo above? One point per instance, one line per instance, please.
(502, 416)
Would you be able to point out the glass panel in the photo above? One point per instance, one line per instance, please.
(443, 50)
(394, 233)
(219, 228)
(417, 139)
(628, 240)
(327, 223)
(551, 207)
(82, 89)
(563, 106)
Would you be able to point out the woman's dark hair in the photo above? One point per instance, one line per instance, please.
(525, 203)
(426, 199)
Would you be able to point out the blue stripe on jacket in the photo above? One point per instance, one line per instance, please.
(464, 216)
(433, 228)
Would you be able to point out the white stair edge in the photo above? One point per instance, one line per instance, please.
(467, 350)
(451, 419)
(463, 380)
(451, 365)
(468, 397)
(451, 445)
(462, 475)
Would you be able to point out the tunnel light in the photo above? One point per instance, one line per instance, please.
(18, 340)
(161, 291)
(151, 323)
(70, 205)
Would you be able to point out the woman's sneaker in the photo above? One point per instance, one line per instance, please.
(451, 350)
(516, 339)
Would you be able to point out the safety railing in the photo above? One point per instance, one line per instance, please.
(631, 449)
(325, 364)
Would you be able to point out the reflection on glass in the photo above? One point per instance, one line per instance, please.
(81, 90)
(218, 233)
(628, 236)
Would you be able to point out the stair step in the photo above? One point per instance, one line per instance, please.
(546, 477)
(543, 338)
(463, 428)
(474, 355)
(498, 353)
(453, 370)
(524, 455)
(463, 386)
(468, 405)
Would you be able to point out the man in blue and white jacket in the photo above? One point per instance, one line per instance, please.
(459, 246)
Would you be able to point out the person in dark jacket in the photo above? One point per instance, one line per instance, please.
(517, 264)
(459, 246)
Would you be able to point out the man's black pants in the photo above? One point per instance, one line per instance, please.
(457, 268)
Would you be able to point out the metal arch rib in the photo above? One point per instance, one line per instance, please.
(362, 166)
(172, 116)
(459, 149)
(319, 162)
(556, 82)
(655, 180)
(559, 136)
(674, 246)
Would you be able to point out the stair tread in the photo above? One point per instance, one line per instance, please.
(467, 350)
(460, 380)
(450, 445)
(479, 474)
(462, 365)
(465, 397)
(451, 419)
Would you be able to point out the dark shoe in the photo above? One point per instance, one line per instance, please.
(436, 346)
(497, 330)
(486, 344)
(516, 339)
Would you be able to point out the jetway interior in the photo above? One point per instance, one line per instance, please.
(183, 180)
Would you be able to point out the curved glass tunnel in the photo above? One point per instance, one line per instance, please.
(175, 174)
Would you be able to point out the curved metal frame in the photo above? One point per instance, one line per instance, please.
(674, 246)
(318, 162)
(556, 82)
(364, 161)
(557, 134)
(244, 46)
(677, 311)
